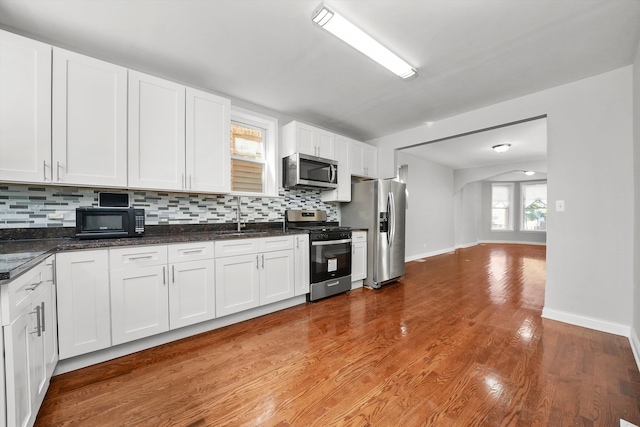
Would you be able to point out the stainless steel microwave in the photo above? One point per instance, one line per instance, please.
(304, 171)
(95, 223)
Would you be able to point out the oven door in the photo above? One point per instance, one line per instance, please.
(330, 259)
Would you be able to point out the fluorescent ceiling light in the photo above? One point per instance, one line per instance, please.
(501, 148)
(529, 173)
(327, 19)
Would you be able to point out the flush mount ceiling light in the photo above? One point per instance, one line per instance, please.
(529, 173)
(501, 148)
(327, 19)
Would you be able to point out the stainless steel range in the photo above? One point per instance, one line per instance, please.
(329, 251)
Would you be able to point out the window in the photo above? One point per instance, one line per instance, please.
(253, 153)
(534, 206)
(247, 158)
(501, 206)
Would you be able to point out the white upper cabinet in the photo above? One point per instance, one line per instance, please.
(25, 109)
(156, 133)
(343, 192)
(208, 119)
(301, 138)
(89, 121)
(363, 159)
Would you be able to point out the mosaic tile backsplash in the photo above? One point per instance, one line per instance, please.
(24, 206)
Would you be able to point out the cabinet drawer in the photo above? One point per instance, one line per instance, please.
(359, 236)
(276, 243)
(20, 293)
(190, 251)
(137, 256)
(224, 248)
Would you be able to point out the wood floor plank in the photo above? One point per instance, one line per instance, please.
(458, 342)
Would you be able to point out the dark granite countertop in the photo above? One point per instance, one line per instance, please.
(19, 255)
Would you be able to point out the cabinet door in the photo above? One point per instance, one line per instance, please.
(301, 267)
(324, 144)
(39, 331)
(89, 121)
(237, 284)
(25, 109)
(84, 313)
(191, 293)
(343, 192)
(156, 133)
(207, 145)
(18, 358)
(356, 166)
(359, 261)
(139, 303)
(277, 280)
(50, 322)
(306, 139)
(370, 160)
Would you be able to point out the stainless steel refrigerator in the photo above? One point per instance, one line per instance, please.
(379, 206)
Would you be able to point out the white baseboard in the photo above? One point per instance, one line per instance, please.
(587, 322)
(466, 245)
(428, 254)
(635, 346)
(513, 242)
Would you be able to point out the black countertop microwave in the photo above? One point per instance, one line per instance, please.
(95, 223)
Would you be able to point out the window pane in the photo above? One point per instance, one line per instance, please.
(247, 177)
(535, 207)
(247, 142)
(501, 206)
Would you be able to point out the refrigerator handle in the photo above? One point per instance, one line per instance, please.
(389, 214)
(392, 220)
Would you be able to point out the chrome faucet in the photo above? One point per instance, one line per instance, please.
(239, 214)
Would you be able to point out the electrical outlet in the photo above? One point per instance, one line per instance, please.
(56, 215)
(559, 205)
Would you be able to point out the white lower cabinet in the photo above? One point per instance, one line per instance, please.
(237, 283)
(28, 343)
(301, 267)
(84, 313)
(253, 272)
(192, 284)
(359, 257)
(139, 303)
(158, 288)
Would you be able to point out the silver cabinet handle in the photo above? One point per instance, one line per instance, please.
(37, 313)
(262, 260)
(58, 171)
(34, 286)
(42, 312)
(333, 283)
(190, 186)
(137, 258)
(257, 265)
(194, 251)
(297, 243)
(164, 280)
(173, 274)
(44, 169)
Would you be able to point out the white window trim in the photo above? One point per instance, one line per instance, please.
(270, 124)
(522, 184)
(510, 226)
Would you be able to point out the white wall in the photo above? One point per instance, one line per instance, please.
(430, 212)
(590, 141)
(468, 206)
(635, 333)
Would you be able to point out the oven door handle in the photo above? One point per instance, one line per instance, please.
(330, 242)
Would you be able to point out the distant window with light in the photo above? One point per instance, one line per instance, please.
(247, 158)
(501, 206)
(534, 206)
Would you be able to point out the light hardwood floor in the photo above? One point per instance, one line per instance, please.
(458, 342)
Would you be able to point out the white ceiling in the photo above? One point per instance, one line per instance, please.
(528, 142)
(468, 54)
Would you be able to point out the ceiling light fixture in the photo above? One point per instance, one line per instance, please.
(337, 25)
(529, 173)
(501, 148)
